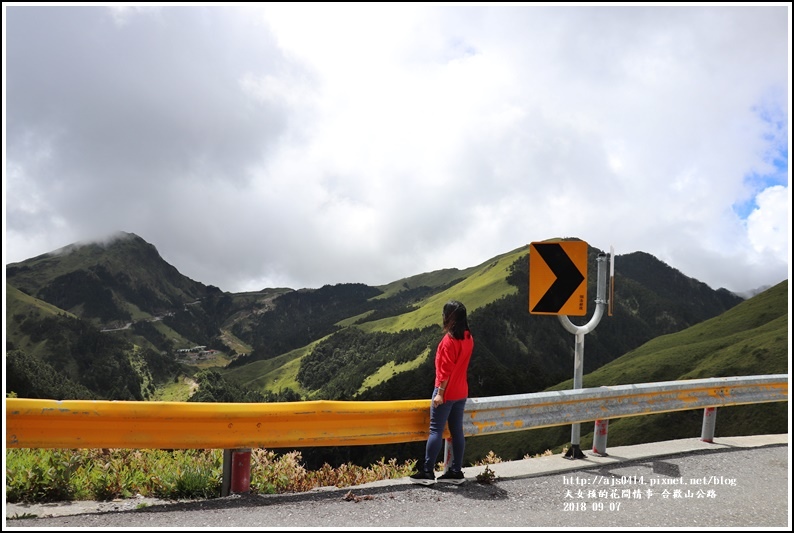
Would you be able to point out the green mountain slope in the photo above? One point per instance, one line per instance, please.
(52, 353)
(514, 352)
(19, 307)
(749, 339)
(118, 281)
(478, 287)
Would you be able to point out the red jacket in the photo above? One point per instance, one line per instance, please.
(452, 362)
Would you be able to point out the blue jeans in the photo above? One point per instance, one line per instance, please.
(447, 413)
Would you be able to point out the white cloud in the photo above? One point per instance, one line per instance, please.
(306, 144)
(769, 227)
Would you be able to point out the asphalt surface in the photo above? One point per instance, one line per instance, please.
(734, 482)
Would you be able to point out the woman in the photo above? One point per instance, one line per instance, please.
(449, 396)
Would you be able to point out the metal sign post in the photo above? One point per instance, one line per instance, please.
(575, 452)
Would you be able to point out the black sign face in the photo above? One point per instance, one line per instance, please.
(557, 278)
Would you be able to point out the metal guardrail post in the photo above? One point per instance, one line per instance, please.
(241, 471)
(447, 454)
(600, 437)
(226, 475)
(709, 423)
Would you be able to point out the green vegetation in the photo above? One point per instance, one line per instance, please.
(33, 376)
(749, 339)
(487, 476)
(339, 365)
(271, 375)
(390, 369)
(212, 388)
(484, 285)
(236, 345)
(74, 351)
(102, 279)
(303, 317)
(42, 475)
(178, 390)
(21, 307)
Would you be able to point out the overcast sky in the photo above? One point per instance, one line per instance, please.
(295, 145)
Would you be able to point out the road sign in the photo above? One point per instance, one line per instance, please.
(558, 278)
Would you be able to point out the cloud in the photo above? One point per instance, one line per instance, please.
(301, 145)
(766, 226)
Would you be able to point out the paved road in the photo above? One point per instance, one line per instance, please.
(734, 482)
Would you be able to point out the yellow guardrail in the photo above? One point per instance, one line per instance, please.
(181, 425)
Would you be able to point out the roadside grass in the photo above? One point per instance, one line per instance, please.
(40, 475)
(50, 475)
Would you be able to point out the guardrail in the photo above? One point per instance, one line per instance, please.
(32, 423)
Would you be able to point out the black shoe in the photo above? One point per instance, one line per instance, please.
(451, 477)
(423, 478)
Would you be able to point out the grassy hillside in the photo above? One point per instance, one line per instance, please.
(515, 352)
(271, 374)
(482, 285)
(20, 305)
(439, 278)
(50, 345)
(749, 339)
(116, 282)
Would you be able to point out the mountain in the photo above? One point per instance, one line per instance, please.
(344, 341)
(107, 283)
(386, 352)
(105, 317)
(749, 339)
(116, 321)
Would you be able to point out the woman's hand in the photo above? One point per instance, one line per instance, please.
(438, 399)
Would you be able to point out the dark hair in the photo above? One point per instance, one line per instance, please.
(455, 321)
